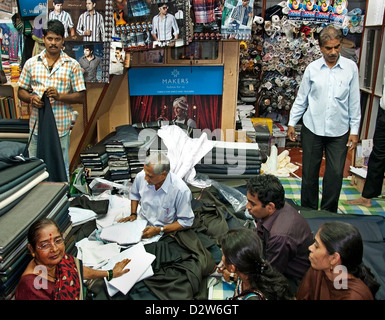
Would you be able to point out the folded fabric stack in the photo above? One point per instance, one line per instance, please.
(123, 149)
(134, 163)
(231, 160)
(17, 179)
(95, 161)
(117, 161)
(244, 115)
(14, 130)
(46, 199)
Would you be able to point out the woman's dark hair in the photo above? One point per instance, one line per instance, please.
(54, 26)
(34, 229)
(268, 188)
(243, 248)
(345, 239)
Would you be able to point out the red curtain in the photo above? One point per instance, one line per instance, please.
(205, 110)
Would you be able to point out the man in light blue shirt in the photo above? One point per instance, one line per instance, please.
(329, 100)
(165, 199)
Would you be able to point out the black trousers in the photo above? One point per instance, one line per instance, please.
(313, 149)
(376, 164)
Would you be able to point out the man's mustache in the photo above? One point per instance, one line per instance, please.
(53, 46)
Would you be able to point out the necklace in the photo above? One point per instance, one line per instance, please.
(53, 63)
(47, 273)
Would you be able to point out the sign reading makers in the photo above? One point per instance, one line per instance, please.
(207, 80)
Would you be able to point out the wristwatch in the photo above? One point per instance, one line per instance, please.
(161, 233)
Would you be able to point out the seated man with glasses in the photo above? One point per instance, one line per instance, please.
(52, 274)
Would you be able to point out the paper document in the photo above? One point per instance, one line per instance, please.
(361, 172)
(140, 268)
(80, 215)
(124, 233)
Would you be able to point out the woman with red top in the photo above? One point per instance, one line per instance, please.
(53, 274)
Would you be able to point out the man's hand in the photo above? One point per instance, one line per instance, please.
(291, 133)
(36, 102)
(53, 93)
(352, 141)
(132, 217)
(149, 232)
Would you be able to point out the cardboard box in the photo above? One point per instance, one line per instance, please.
(358, 182)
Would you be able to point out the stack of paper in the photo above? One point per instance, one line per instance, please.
(95, 254)
(80, 215)
(126, 233)
(140, 268)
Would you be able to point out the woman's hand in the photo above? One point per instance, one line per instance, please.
(226, 274)
(119, 270)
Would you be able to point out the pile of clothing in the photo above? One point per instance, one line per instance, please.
(95, 162)
(231, 160)
(122, 149)
(16, 130)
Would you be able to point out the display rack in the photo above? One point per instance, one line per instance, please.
(10, 103)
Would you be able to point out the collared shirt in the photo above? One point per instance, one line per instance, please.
(65, 18)
(241, 14)
(90, 67)
(329, 99)
(204, 10)
(170, 203)
(162, 27)
(66, 76)
(93, 22)
(286, 236)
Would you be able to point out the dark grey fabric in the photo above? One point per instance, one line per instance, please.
(12, 176)
(181, 267)
(12, 153)
(48, 144)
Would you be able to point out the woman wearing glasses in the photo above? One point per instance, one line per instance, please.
(52, 274)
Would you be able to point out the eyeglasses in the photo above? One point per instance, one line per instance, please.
(48, 246)
(165, 8)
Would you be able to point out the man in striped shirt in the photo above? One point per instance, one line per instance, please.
(164, 25)
(91, 23)
(61, 78)
(59, 14)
